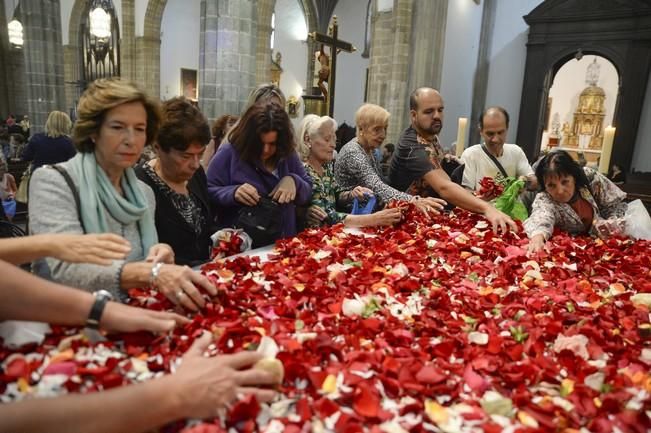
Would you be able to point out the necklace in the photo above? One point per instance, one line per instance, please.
(180, 188)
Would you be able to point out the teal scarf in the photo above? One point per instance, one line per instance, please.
(97, 195)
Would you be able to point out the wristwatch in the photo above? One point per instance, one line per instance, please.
(101, 298)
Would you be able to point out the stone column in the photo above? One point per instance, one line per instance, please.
(263, 51)
(227, 57)
(147, 71)
(389, 63)
(43, 54)
(128, 40)
(427, 43)
(397, 103)
(380, 57)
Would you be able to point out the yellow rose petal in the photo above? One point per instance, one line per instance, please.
(436, 412)
(527, 420)
(329, 384)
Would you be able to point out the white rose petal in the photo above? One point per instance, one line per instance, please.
(577, 344)
(352, 307)
(595, 380)
(480, 338)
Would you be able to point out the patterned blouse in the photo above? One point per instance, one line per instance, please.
(355, 167)
(187, 205)
(325, 192)
(606, 199)
(435, 155)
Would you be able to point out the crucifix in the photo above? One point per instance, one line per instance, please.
(328, 73)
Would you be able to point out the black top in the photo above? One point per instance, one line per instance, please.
(183, 222)
(42, 150)
(410, 162)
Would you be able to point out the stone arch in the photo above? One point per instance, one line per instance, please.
(148, 48)
(154, 18)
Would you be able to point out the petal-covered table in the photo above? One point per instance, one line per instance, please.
(441, 327)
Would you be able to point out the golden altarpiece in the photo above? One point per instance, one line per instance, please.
(586, 133)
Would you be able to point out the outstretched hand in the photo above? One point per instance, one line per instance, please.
(204, 385)
(99, 249)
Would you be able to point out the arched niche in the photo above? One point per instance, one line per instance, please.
(581, 104)
(619, 30)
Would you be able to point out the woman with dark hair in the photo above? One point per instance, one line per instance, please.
(259, 160)
(573, 198)
(219, 129)
(183, 215)
(97, 191)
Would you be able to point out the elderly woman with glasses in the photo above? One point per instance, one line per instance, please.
(356, 164)
(97, 191)
(317, 145)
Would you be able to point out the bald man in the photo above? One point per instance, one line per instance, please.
(416, 163)
(480, 159)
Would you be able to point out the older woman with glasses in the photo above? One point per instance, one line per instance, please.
(357, 166)
(97, 191)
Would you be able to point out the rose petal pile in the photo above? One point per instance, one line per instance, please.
(428, 326)
(488, 187)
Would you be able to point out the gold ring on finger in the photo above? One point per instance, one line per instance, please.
(179, 294)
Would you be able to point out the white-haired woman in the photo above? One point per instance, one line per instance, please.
(317, 146)
(357, 166)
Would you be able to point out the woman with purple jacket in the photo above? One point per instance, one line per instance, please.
(259, 160)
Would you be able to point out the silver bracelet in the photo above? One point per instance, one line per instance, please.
(155, 270)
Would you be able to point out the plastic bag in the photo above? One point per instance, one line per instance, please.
(368, 209)
(509, 201)
(227, 242)
(9, 206)
(637, 221)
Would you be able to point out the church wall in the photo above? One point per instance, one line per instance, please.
(291, 32)
(351, 67)
(507, 59)
(570, 82)
(642, 152)
(459, 63)
(179, 44)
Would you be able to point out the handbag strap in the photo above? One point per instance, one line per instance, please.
(495, 161)
(75, 192)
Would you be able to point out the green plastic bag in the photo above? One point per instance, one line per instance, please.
(509, 203)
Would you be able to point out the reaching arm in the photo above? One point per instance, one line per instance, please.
(24, 296)
(200, 387)
(135, 408)
(98, 249)
(367, 177)
(542, 219)
(439, 181)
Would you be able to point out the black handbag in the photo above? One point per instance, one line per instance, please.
(262, 222)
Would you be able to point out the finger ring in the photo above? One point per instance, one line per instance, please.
(179, 294)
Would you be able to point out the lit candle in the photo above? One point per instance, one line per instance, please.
(461, 135)
(606, 150)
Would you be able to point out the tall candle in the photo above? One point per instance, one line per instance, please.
(606, 150)
(461, 135)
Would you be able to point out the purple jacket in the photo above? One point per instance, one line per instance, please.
(226, 172)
